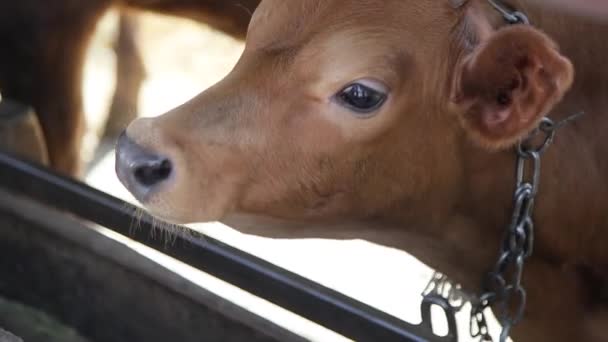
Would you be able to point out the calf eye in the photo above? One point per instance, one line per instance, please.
(361, 98)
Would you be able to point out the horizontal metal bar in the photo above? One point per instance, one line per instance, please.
(295, 293)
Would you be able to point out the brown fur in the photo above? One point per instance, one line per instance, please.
(269, 151)
(43, 49)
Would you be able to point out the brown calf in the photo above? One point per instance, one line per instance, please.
(395, 121)
(43, 46)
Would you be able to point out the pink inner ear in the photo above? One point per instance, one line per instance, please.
(492, 117)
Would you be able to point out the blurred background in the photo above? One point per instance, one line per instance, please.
(182, 58)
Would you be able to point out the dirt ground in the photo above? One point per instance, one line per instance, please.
(183, 58)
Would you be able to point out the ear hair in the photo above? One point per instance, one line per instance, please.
(508, 83)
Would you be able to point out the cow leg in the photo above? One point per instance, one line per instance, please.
(130, 74)
(60, 108)
(43, 68)
(54, 91)
(230, 16)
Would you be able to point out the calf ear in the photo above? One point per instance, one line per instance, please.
(508, 83)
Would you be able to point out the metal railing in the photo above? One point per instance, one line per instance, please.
(297, 294)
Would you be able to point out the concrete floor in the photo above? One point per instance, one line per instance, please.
(183, 58)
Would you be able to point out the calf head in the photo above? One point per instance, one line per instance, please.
(347, 111)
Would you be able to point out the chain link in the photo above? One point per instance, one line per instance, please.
(503, 285)
(511, 17)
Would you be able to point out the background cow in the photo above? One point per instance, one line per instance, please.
(44, 47)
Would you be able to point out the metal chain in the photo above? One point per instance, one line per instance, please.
(518, 242)
(511, 17)
(503, 285)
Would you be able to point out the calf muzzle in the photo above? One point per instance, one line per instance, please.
(141, 171)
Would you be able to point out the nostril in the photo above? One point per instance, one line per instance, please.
(152, 172)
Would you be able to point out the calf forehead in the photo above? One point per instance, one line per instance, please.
(281, 24)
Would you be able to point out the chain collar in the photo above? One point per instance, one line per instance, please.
(510, 16)
(502, 286)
